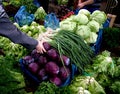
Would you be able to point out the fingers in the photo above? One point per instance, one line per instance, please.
(40, 48)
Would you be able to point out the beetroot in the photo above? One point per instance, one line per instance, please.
(57, 81)
(27, 60)
(47, 46)
(65, 59)
(52, 68)
(33, 67)
(42, 60)
(42, 75)
(52, 53)
(35, 55)
(64, 73)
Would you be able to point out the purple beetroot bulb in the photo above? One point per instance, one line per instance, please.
(42, 75)
(33, 67)
(64, 73)
(65, 59)
(27, 60)
(56, 80)
(47, 46)
(42, 60)
(52, 68)
(52, 53)
(35, 55)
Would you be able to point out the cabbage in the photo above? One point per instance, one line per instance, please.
(34, 23)
(33, 67)
(25, 28)
(83, 31)
(94, 26)
(53, 54)
(27, 60)
(42, 75)
(67, 25)
(85, 12)
(47, 46)
(64, 73)
(56, 80)
(65, 60)
(82, 19)
(99, 16)
(40, 14)
(35, 54)
(42, 60)
(52, 68)
(92, 38)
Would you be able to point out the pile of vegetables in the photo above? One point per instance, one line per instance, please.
(85, 85)
(11, 80)
(85, 24)
(32, 30)
(105, 69)
(71, 45)
(48, 66)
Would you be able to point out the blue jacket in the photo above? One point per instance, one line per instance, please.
(7, 29)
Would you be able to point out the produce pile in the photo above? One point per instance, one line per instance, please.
(66, 46)
(85, 24)
(48, 66)
(100, 77)
(55, 64)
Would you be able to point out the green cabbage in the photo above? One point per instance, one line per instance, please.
(92, 38)
(81, 19)
(94, 26)
(67, 25)
(99, 16)
(85, 12)
(83, 31)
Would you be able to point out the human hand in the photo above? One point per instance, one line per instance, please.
(40, 48)
(81, 5)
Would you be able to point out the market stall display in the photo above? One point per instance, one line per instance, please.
(73, 63)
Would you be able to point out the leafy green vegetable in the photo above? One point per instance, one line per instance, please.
(99, 16)
(46, 88)
(68, 25)
(81, 19)
(40, 14)
(84, 31)
(11, 81)
(86, 83)
(92, 38)
(85, 12)
(115, 87)
(104, 64)
(94, 26)
(73, 46)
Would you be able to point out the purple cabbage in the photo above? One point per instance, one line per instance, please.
(33, 67)
(47, 46)
(64, 73)
(27, 60)
(65, 60)
(52, 68)
(56, 80)
(42, 60)
(42, 75)
(52, 53)
(35, 55)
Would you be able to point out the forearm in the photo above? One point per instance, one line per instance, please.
(7, 29)
(88, 2)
